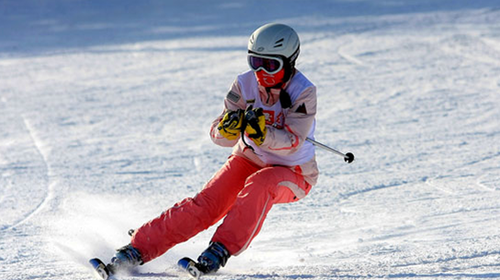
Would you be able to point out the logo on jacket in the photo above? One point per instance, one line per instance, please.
(274, 120)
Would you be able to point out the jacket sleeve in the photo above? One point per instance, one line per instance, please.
(298, 123)
(233, 101)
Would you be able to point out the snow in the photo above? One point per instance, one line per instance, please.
(105, 109)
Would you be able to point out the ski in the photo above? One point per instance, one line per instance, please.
(101, 269)
(190, 266)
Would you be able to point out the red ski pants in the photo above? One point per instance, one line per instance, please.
(241, 191)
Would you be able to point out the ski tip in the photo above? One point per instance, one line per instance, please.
(184, 262)
(100, 268)
(189, 266)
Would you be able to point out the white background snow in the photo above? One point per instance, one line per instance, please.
(105, 108)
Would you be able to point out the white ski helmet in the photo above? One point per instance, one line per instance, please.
(278, 40)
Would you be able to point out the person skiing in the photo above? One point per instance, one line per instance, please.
(268, 113)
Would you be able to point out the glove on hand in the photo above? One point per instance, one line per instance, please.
(256, 125)
(230, 125)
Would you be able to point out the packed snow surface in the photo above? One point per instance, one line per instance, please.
(105, 108)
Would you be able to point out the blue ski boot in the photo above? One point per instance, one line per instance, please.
(213, 258)
(126, 257)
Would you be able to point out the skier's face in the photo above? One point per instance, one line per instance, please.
(269, 80)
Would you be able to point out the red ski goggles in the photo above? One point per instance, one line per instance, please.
(270, 64)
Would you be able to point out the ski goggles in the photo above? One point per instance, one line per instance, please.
(270, 64)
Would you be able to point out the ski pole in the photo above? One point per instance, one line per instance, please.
(348, 157)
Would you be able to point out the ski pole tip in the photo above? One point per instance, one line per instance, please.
(349, 157)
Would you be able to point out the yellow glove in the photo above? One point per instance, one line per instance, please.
(256, 125)
(230, 125)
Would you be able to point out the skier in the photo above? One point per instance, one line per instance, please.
(268, 113)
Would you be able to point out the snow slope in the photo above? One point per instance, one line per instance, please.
(105, 109)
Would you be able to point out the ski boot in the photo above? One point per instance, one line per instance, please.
(125, 258)
(215, 256)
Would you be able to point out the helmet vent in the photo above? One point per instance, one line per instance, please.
(278, 43)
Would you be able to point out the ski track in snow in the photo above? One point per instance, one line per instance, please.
(104, 112)
(49, 194)
(12, 191)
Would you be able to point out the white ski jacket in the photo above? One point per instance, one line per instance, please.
(287, 128)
